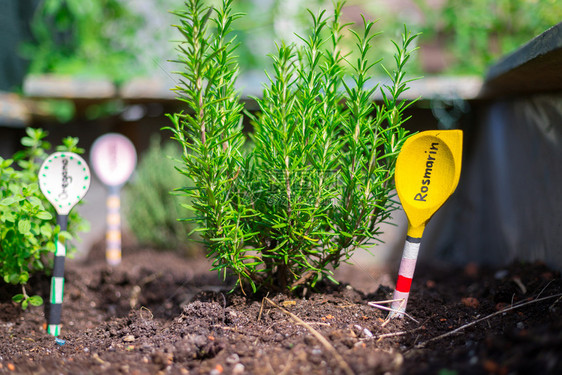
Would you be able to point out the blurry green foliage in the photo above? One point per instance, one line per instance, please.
(62, 110)
(477, 33)
(104, 109)
(87, 38)
(471, 35)
(152, 208)
(119, 39)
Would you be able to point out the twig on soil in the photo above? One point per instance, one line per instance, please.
(134, 299)
(261, 307)
(235, 329)
(343, 364)
(150, 278)
(307, 275)
(98, 359)
(269, 367)
(401, 333)
(394, 334)
(388, 301)
(223, 308)
(555, 302)
(543, 289)
(377, 304)
(513, 307)
(135, 292)
(287, 365)
(519, 283)
(147, 309)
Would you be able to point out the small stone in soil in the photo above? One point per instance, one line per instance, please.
(501, 274)
(238, 369)
(233, 358)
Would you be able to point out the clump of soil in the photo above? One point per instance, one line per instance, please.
(159, 313)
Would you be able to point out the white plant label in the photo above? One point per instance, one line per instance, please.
(64, 179)
(113, 157)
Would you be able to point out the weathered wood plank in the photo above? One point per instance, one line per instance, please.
(62, 87)
(534, 67)
(14, 113)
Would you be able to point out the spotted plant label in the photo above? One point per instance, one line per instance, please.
(64, 179)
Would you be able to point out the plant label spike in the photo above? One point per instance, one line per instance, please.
(427, 173)
(114, 159)
(64, 179)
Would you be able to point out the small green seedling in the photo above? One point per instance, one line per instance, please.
(427, 173)
(64, 179)
(26, 300)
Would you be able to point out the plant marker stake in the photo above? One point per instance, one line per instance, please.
(427, 173)
(114, 159)
(64, 179)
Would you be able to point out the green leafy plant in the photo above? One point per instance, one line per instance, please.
(28, 224)
(152, 206)
(477, 33)
(317, 182)
(69, 38)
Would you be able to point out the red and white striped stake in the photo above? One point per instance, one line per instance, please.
(405, 274)
(114, 159)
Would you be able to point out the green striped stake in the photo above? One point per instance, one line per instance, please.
(64, 179)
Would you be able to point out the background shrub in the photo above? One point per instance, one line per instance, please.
(152, 207)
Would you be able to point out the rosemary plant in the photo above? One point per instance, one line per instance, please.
(315, 181)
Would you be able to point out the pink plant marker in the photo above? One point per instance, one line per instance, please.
(113, 158)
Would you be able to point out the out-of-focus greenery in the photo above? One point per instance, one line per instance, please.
(478, 32)
(468, 36)
(152, 206)
(119, 39)
(84, 38)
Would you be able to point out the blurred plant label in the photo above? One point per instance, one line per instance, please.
(113, 158)
(64, 179)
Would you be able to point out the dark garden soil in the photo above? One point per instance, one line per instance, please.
(158, 313)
